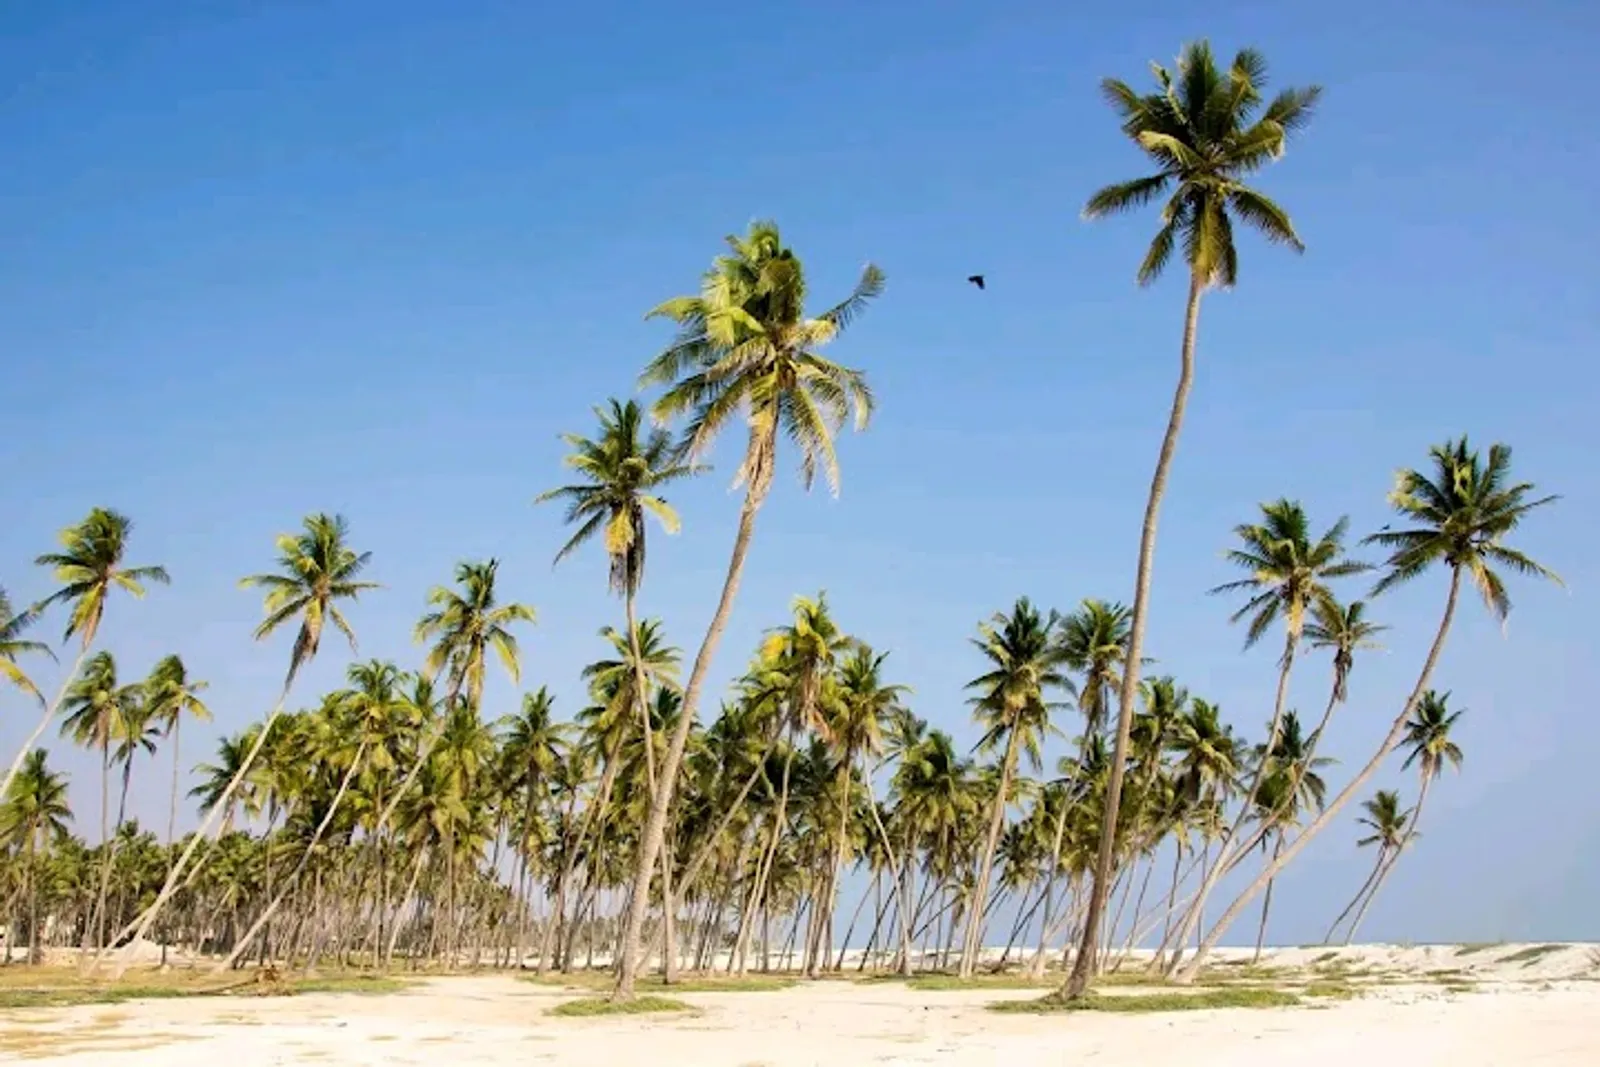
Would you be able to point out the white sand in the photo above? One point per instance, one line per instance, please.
(1524, 1012)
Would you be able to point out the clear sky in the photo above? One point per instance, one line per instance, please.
(258, 260)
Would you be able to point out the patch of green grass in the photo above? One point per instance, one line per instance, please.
(1326, 957)
(1531, 955)
(944, 982)
(589, 1007)
(362, 984)
(68, 990)
(1205, 1000)
(1331, 991)
(707, 983)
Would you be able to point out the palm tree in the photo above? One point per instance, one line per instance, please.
(98, 713)
(1026, 661)
(1461, 512)
(1202, 130)
(34, 816)
(1431, 749)
(1288, 577)
(1094, 639)
(745, 346)
(1389, 826)
(12, 626)
(534, 749)
(317, 569)
(88, 567)
(170, 695)
(1289, 784)
(463, 627)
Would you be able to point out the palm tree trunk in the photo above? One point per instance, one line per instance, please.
(1396, 730)
(136, 930)
(1037, 964)
(1385, 868)
(758, 892)
(825, 911)
(44, 720)
(899, 888)
(108, 844)
(656, 828)
(1383, 854)
(305, 858)
(997, 817)
(1083, 967)
(1266, 904)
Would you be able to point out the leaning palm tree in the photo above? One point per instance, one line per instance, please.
(89, 566)
(1203, 131)
(1389, 825)
(317, 571)
(1430, 748)
(1025, 660)
(33, 816)
(1460, 514)
(1288, 574)
(463, 627)
(745, 347)
(98, 709)
(12, 644)
(171, 695)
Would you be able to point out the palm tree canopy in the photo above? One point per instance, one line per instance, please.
(317, 569)
(171, 694)
(35, 808)
(1346, 630)
(1288, 571)
(464, 625)
(97, 707)
(12, 644)
(1428, 734)
(1202, 130)
(622, 468)
(89, 566)
(745, 344)
(1026, 661)
(1386, 820)
(1094, 639)
(1461, 511)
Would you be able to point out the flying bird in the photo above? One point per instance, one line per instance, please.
(976, 279)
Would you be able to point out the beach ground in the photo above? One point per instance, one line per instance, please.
(1461, 1006)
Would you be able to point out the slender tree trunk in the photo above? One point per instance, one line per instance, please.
(1396, 730)
(305, 858)
(1083, 966)
(108, 844)
(1266, 904)
(172, 806)
(1037, 964)
(1372, 876)
(825, 910)
(44, 720)
(758, 892)
(661, 802)
(899, 889)
(997, 818)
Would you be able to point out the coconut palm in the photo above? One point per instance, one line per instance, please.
(463, 627)
(1026, 663)
(12, 644)
(534, 747)
(1289, 784)
(1206, 131)
(1460, 514)
(1390, 832)
(1430, 748)
(88, 567)
(317, 571)
(34, 814)
(1094, 639)
(1288, 575)
(171, 696)
(745, 347)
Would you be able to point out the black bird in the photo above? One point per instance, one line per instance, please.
(976, 279)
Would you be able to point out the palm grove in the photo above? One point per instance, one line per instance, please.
(399, 822)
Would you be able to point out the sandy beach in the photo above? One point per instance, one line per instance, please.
(1461, 1006)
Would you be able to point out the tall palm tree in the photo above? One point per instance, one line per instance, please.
(171, 696)
(745, 346)
(1288, 575)
(464, 626)
(1095, 641)
(1026, 660)
(1460, 514)
(88, 567)
(534, 749)
(1289, 784)
(33, 816)
(1203, 131)
(1427, 738)
(98, 709)
(1390, 832)
(317, 571)
(12, 644)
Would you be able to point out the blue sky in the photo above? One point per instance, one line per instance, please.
(264, 260)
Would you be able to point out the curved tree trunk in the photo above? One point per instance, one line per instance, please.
(1372, 876)
(656, 829)
(1396, 731)
(1083, 966)
(44, 721)
(975, 919)
(1266, 904)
